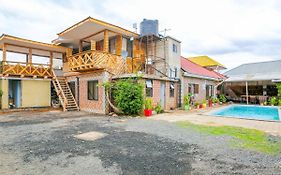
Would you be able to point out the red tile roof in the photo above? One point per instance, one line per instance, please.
(196, 69)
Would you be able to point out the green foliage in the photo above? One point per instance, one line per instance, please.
(279, 93)
(242, 138)
(158, 108)
(215, 100)
(1, 93)
(204, 101)
(279, 90)
(273, 101)
(127, 95)
(148, 104)
(186, 99)
(222, 98)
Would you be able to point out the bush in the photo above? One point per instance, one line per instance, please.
(158, 108)
(273, 101)
(222, 98)
(186, 99)
(148, 104)
(128, 96)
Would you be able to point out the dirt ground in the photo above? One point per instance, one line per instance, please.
(83, 143)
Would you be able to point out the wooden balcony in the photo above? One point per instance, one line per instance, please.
(95, 60)
(11, 68)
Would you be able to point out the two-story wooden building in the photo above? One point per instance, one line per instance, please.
(92, 52)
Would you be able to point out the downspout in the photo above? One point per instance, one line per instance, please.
(78, 91)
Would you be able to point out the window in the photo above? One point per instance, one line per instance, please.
(149, 88)
(112, 45)
(172, 89)
(193, 88)
(127, 48)
(93, 90)
(209, 91)
(175, 49)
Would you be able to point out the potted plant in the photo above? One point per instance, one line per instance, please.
(158, 108)
(196, 104)
(186, 102)
(148, 107)
(204, 103)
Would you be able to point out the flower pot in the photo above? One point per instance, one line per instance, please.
(147, 112)
(210, 103)
(187, 107)
(204, 105)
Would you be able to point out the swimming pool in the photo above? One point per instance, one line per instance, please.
(249, 112)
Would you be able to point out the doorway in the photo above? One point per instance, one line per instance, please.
(162, 94)
(72, 88)
(15, 91)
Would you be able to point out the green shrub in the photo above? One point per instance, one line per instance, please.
(186, 99)
(222, 98)
(148, 104)
(128, 96)
(279, 93)
(158, 108)
(273, 101)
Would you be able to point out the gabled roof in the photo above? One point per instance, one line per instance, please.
(206, 61)
(17, 41)
(270, 70)
(99, 22)
(196, 70)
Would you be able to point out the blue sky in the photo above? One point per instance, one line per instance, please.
(231, 31)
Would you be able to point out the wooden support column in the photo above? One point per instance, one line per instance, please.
(69, 52)
(51, 59)
(80, 46)
(29, 56)
(118, 44)
(106, 41)
(4, 51)
(93, 45)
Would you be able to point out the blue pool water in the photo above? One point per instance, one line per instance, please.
(249, 112)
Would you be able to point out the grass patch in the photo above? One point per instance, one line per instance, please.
(251, 139)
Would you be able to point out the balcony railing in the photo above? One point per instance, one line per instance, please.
(94, 60)
(26, 69)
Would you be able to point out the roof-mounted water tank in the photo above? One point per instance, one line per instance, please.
(149, 27)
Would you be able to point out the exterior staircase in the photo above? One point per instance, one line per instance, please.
(64, 93)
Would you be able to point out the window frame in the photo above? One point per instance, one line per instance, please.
(149, 90)
(175, 48)
(97, 89)
(172, 89)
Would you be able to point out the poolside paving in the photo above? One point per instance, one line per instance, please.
(200, 116)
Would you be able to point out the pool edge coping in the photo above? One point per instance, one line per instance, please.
(233, 117)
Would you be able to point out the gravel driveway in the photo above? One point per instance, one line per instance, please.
(46, 143)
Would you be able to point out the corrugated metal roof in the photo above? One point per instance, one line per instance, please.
(196, 69)
(205, 61)
(269, 70)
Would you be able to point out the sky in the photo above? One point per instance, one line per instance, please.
(232, 32)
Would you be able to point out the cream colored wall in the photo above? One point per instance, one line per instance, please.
(4, 88)
(36, 93)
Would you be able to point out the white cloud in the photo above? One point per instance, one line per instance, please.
(239, 30)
